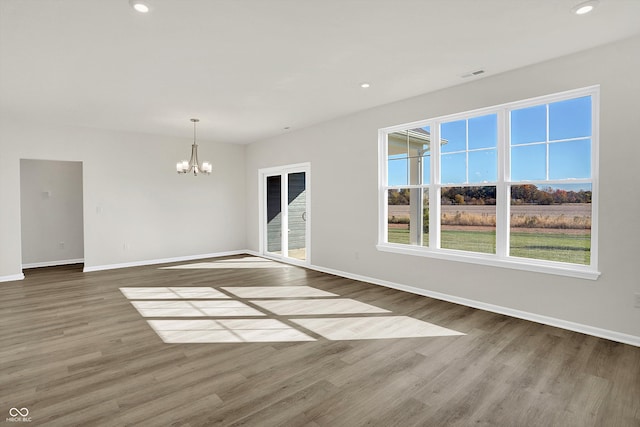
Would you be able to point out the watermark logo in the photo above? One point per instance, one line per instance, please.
(19, 415)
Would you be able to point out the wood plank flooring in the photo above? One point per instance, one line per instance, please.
(75, 351)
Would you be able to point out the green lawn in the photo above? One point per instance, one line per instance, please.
(573, 248)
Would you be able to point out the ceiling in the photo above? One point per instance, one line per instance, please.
(251, 68)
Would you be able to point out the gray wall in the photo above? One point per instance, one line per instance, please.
(51, 212)
(343, 156)
(136, 207)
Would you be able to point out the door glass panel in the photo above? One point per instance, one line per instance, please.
(274, 214)
(297, 215)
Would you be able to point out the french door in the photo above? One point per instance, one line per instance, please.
(285, 203)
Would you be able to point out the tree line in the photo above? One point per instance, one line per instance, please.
(520, 194)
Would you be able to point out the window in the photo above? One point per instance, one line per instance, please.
(512, 185)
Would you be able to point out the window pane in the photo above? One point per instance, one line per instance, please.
(398, 171)
(425, 217)
(397, 152)
(419, 141)
(529, 162)
(397, 146)
(398, 216)
(454, 135)
(529, 125)
(483, 132)
(468, 219)
(425, 153)
(570, 119)
(426, 169)
(415, 170)
(552, 224)
(408, 216)
(571, 159)
(453, 168)
(405, 150)
(483, 166)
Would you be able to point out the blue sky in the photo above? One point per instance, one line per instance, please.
(471, 146)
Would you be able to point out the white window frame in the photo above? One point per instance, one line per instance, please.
(500, 258)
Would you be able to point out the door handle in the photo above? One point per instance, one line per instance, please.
(304, 216)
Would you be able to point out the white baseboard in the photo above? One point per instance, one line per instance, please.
(12, 277)
(538, 318)
(53, 263)
(162, 261)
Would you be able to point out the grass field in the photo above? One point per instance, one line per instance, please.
(562, 247)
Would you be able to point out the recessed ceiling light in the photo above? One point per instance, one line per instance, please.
(141, 6)
(585, 7)
(365, 85)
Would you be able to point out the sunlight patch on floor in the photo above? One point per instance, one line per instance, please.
(194, 308)
(368, 328)
(298, 307)
(172, 293)
(226, 331)
(277, 292)
(205, 315)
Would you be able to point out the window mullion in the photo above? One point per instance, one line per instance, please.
(466, 151)
(547, 145)
(434, 188)
(502, 189)
(383, 186)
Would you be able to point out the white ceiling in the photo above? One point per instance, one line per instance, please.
(250, 68)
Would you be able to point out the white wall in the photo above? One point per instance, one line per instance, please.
(136, 207)
(343, 156)
(51, 212)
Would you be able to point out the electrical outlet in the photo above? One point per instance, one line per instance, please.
(125, 246)
(637, 300)
(61, 245)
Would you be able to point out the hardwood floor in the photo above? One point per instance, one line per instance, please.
(80, 349)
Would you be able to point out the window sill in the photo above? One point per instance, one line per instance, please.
(548, 267)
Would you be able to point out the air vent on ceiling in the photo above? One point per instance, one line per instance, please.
(472, 74)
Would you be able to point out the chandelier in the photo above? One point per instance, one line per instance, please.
(193, 165)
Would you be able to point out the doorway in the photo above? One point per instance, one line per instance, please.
(285, 213)
(51, 213)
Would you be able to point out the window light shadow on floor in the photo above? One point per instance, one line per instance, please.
(246, 262)
(173, 293)
(208, 315)
(368, 328)
(302, 307)
(228, 308)
(224, 331)
(277, 292)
